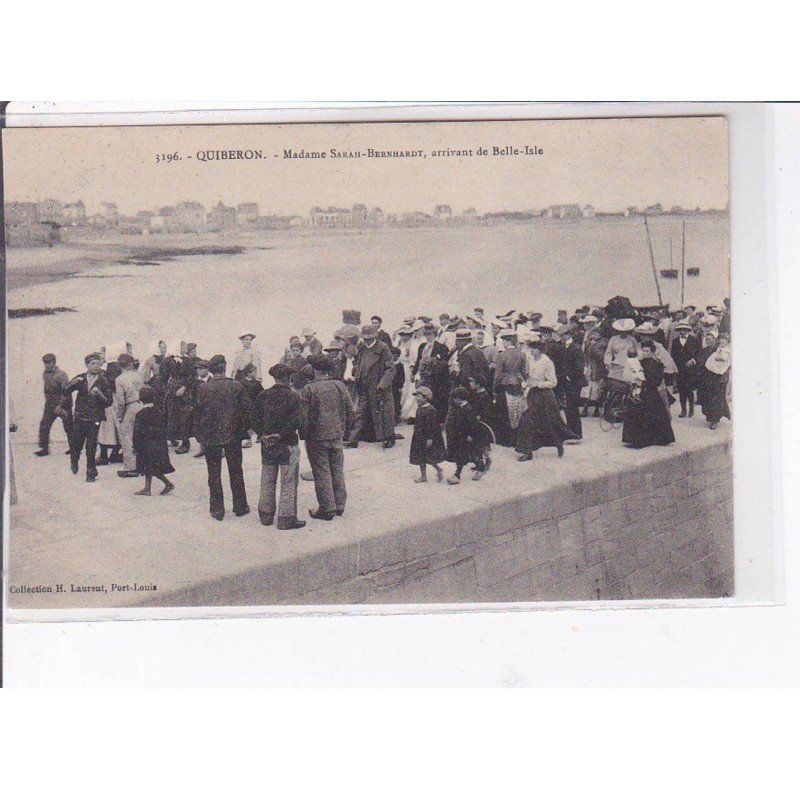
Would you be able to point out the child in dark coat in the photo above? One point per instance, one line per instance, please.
(150, 443)
(463, 436)
(481, 404)
(427, 444)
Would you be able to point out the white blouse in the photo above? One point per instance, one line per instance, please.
(541, 373)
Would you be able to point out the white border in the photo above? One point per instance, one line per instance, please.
(757, 494)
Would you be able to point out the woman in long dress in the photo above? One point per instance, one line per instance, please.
(541, 425)
(714, 379)
(646, 420)
(408, 357)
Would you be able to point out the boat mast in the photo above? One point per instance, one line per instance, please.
(652, 260)
(683, 263)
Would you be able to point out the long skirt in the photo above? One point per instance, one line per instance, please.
(715, 397)
(108, 435)
(408, 405)
(541, 425)
(647, 421)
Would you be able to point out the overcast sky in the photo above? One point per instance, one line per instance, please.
(610, 164)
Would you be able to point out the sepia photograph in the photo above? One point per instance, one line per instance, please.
(369, 363)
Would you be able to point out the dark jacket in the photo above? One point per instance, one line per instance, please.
(472, 364)
(681, 353)
(279, 410)
(510, 367)
(150, 442)
(327, 411)
(88, 406)
(54, 384)
(439, 357)
(426, 428)
(463, 434)
(223, 412)
(374, 368)
(574, 376)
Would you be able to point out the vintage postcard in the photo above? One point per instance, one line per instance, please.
(369, 363)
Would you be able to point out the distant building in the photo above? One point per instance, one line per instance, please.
(630, 211)
(246, 213)
(75, 213)
(221, 217)
(497, 217)
(334, 217)
(414, 218)
(376, 217)
(469, 213)
(587, 212)
(654, 209)
(358, 214)
(330, 217)
(51, 211)
(442, 213)
(109, 214)
(187, 217)
(21, 213)
(567, 211)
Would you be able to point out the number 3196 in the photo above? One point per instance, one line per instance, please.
(167, 157)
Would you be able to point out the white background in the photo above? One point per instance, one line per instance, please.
(443, 744)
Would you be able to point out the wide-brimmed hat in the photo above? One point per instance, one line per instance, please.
(308, 331)
(507, 333)
(404, 331)
(647, 328)
(683, 326)
(245, 335)
(709, 319)
(424, 391)
(624, 325)
(500, 323)
(419, 325)
(588, 319)
(335, 344)
(463, 333)
(369, 330)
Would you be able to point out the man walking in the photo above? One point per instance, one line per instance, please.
(223, 413)
(127, 405)
(327, 416)
(277, 418)
(373, 377)
(93, 396)
(55, 381)
(469, 362)
(685, 351)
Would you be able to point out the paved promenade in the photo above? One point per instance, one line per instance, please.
(69, 533)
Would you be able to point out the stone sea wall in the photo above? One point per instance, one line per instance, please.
(660, 531)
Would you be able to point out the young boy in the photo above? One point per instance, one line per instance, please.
(463, 436)
(427, 444)
(481, 404)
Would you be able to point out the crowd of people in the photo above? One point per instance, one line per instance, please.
(464, 383)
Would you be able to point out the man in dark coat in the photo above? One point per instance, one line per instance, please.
(55, 381)
(574, 379)
(327, 416)
(433, 355)
(373, 376)
(685, 351)
(93, 395)
(471, 362)
(278, 416)
(223, 413)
